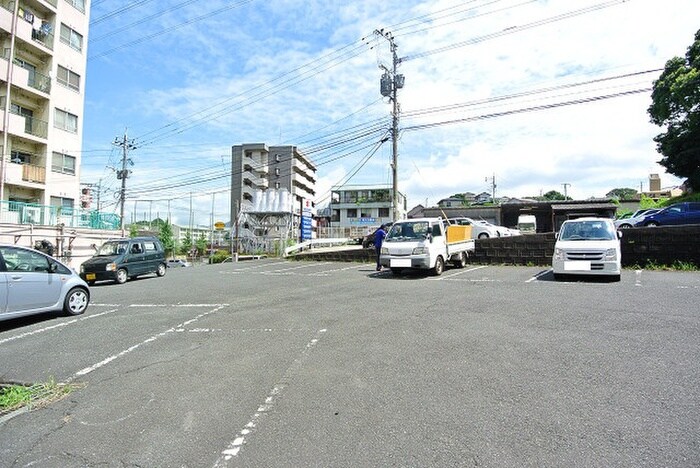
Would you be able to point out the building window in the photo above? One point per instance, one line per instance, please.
(63, 163)
(277, 171)
(278, 157)
(65, 204)
(78, 5)
(278, 185)
(352, 212)
(65, 121)
(71, 38)
(18, 157)
(68, 78)
(383, 212)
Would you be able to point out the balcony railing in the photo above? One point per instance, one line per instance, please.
(32, 173)
(30, 213)
(37, 80)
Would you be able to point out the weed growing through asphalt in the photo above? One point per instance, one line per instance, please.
(13, 397)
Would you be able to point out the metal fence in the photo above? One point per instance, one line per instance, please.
(12, 212)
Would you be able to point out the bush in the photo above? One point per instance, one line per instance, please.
(219, 256)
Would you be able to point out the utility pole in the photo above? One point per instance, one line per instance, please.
(123, 173)
(390, 83)
(565, 185)
(493, 187)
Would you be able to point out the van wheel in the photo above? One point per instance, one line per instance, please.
(161, 269)
(483, 235)
(122, 276)
(439, 266)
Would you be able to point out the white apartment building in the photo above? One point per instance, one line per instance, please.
(259, 170)
(42, 89)
(359, 208)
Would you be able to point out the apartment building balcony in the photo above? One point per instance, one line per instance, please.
(29, 127)
(37, 32)
(19, 174)
(250, 179)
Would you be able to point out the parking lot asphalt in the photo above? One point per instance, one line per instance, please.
(279, 363)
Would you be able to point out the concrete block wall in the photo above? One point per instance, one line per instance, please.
(661, 245)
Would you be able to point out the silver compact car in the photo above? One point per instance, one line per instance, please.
(32, 282)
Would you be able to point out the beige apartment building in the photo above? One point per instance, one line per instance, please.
(270, 178)
(42, 89)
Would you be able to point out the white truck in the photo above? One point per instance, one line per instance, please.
(426, 244)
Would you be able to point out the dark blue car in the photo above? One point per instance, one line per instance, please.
(678, 213)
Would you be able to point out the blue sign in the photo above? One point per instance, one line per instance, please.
(305, 227)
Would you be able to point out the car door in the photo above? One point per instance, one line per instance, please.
(675, 214)
(3, 287)
(135, 260)
(30, 284)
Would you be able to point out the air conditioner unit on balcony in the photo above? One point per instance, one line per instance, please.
(31, 215)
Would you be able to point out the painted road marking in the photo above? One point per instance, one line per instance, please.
(460, 272)
(153, 338)
(538, 275)
(240, 438)
(52, 327)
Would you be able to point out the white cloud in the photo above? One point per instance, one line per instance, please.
(594, 147)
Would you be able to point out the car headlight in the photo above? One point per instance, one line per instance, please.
(111, 267)
(558, 254)
(384, 251)
(419, 251)
(611, 254)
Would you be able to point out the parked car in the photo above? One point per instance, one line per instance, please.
(178, 263)
(121, 259)
(480, 229)
(678, 213)
(368, 240)
(587, 246)
(32, 282)
(633, 219)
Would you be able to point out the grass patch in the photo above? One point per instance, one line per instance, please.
(677, 265)
(15, 396)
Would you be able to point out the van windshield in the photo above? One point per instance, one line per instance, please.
(408, 231)
(109, 249)
(587, 230)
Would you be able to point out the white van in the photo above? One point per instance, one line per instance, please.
(587, 246)
(527, 224)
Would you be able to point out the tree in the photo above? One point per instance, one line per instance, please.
(676, 106)
(201, 243)
(186, 244)
(166, 237)
(133, 230)
(622, 194)
(554, 195)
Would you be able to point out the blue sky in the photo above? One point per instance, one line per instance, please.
(189, 79)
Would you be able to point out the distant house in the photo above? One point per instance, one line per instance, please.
(450, 202)
(483, 197)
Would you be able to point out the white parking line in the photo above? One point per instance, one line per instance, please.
(239, 439)
(106, 361)
(638, 280)
(53, 327)
(460, 272)
(538, 275)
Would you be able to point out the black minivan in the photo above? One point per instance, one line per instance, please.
(122, 259)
